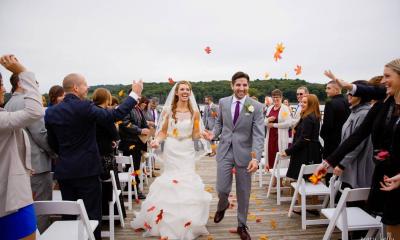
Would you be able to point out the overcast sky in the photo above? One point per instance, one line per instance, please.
(112, 42)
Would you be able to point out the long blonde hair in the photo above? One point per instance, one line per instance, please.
(176, 99)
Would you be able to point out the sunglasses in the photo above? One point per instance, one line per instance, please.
(299, 94)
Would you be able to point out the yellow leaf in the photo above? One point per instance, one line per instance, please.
(121, 93)
(263, 237)
(273, 224)
(131, 147)
(175, 132)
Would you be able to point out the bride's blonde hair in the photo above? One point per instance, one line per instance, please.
(176, 98)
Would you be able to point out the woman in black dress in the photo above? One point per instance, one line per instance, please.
(383, 123)
(306, 148)
(106, 141)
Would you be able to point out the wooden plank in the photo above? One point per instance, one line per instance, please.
(274, 224)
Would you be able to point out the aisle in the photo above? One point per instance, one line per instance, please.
(266, 219)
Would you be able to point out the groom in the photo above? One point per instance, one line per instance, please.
(240, 126)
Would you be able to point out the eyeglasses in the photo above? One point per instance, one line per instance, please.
(299, 94)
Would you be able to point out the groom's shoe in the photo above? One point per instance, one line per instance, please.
(219, 215)
(244, 235)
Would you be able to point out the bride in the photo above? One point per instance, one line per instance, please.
(177, 205)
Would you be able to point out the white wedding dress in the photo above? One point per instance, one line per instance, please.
(177, 206)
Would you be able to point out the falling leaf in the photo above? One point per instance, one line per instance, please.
(279, 50)
(151, 209)
(209, 189)
(263, 237)
(315, 179)
(137, 201)
(233, 230)
(131, 147)
(159, 216)
(258, 220)
(171, 81)
(175, 181)
(119, 122)
(298, 70)
(266, 75)
(188, 224)
(147, 226)
(121, 93)
(273, 224)
(207, 50)
(233, 170)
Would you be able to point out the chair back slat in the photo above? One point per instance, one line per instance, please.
(358, 194)
(56, 207)
(123, 159)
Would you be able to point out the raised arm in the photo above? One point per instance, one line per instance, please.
(33, 109)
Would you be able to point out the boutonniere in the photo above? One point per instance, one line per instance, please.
(249, 108)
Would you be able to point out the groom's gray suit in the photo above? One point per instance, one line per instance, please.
(237, 141)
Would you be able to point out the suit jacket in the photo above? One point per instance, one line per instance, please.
(71, 127)
(40, 149)
(131, 128)
(245, 137)
(15, 157)
(335, 115)
(208, 118)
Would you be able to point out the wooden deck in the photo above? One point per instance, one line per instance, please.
(274, 223)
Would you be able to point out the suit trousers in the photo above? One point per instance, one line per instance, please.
(224, 186)
(89, 190)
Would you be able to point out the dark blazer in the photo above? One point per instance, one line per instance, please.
(382, 122)
(71, 127)
(131, 128)
(336, 113)
(306, 148)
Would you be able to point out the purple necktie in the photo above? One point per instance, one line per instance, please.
(154, 115)
(236, 115)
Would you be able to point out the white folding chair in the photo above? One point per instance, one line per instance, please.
(278, 172)
(143, 171)
(352, 218)
(127, 178)
(76, 229)
(115, 201)
(308, 189)
(56, 195)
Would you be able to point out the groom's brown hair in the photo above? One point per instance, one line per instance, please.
(240, 75)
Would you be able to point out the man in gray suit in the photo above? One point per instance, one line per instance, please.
(241, 130)
(41, 180)
(209, 117)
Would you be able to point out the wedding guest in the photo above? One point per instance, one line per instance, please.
(133, 125)
(382, 122)
(209, 117)
(278, 122)
(286, 102)
(107, 142)
(268, 102)
(153, 110)
(56, 95)
(336, 113)
(306, 148)
(41, 153)
(17, 215)
(300, 93)
(356, 168)
(114, 102)
(71, 127)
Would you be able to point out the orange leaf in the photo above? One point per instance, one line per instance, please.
(147, 226)
(151, 209)
(119, 122)
(159, 216)
(315, 179)
(175, 132)
(273, 224)
(163, 238)
(258, 220)
(210, 237)
(188, 224)
(263, 237)
(121, 93)
(233, 230)
(298, 70)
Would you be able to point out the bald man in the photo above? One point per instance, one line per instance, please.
(71, 127)
(336, 113)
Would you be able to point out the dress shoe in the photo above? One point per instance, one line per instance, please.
(244, 235)
(219, 215)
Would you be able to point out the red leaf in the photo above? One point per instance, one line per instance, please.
(171, 81)
(188, 224)
(159, 216)
(151, 209)
(208, 50)
(137, 201)
(139, 230)
(233, 230)
(175, 181)
(258, 220)
(147, 226)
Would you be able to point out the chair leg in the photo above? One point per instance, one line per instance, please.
(329, 230)
(345, 235)
(120, 214)
(111, 219)
(270, 185)
(296, 191)
(278, 191)
(130, 194)
(303, 212)
(260, 175)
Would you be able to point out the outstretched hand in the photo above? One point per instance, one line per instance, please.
(137, 87)
(390, 184)
(11, 63)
